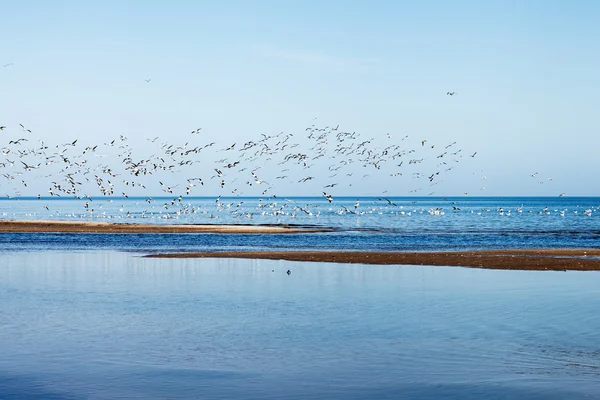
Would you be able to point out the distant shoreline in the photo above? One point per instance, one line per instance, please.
(108, 227)
(525, 259)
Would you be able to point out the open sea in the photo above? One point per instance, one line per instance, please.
(85, 316)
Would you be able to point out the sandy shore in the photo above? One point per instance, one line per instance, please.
(107, 227)
(530, 259)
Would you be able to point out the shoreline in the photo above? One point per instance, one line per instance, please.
(47, 226)
(522, 259)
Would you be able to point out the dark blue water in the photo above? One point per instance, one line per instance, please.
(422, 224)
(153, 243)
(105, 325)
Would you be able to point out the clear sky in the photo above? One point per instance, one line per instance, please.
(525, 75)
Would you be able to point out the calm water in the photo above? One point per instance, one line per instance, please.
(107, 324)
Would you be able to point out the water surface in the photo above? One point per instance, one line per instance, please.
(411, 223)
(105, 324)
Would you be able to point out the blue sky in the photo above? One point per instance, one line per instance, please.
(525, 73)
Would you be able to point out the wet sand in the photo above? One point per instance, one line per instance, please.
(527, 259)
(107, 227)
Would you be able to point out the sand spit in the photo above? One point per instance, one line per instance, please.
(526, 259)
(106, 227)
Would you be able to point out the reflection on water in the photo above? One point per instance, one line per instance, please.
(100, 325)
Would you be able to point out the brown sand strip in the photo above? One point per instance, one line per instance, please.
(106, 227)
(530, 259)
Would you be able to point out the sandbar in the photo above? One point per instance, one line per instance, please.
(107, 227)
(525, 259)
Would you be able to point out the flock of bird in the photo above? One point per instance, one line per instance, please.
(322, 160)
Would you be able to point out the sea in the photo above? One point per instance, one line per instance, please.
(87, 316)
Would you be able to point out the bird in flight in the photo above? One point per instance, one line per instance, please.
(18, 141)
(451, 93)
(148, 80)
(388, 200)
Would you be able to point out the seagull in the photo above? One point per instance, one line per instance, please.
(18, 141)
(451, 93)
(24, 129)
(148, 80)
(389, 201)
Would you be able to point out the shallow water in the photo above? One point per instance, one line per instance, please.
(106, 324)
